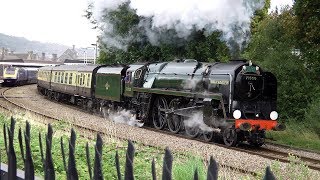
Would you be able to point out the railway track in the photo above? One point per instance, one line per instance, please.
(10, 105)
(263, 151)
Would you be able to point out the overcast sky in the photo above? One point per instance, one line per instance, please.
(57, 21)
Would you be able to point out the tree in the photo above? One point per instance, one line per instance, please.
(307, 12)
(259, 16)
(272, 47)
(125, 39)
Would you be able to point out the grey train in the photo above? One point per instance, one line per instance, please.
(13, 76)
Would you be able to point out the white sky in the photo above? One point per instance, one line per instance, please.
(56, 21)
(280, 3)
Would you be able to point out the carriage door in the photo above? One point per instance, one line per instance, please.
(79, 83)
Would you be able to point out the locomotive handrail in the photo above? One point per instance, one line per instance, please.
(217, 96)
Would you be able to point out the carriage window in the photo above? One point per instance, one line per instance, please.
(83, 77)
(70, 78)
(88, 80)
(80, 79)
(62, 77)
(56, 77)
(137, 74)
(66, 78)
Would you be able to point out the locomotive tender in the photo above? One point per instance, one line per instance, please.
(19, 75)
(238, 98)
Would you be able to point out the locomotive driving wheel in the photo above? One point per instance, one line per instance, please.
(208, 135)
(192, 131)
(158, 113)
(230, 136)
(174, 121)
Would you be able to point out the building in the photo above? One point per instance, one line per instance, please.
(30, 58)
(70, 54)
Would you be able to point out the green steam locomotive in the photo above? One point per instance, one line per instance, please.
(234, 100)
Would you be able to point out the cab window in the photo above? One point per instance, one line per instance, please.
(137, 74)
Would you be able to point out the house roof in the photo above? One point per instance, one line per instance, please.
(69, 54)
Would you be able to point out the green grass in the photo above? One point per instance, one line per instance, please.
(184, 164)
(296, 169)
(142, 160)
(185, 169)
(297, 135)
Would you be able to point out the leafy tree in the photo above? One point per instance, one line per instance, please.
(308, 17)
(272, 47)
(260, 15)
(313, 114)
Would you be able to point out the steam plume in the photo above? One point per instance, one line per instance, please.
(231, 17)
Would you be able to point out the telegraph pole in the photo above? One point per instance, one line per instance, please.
(96, 52)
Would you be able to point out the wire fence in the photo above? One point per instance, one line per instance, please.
(10, 171)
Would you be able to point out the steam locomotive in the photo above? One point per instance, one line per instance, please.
(234, 100)
(19, 75)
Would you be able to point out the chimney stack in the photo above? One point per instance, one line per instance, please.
(43, 56)
(2, 53)
(30, 55)
(54, 57)
(73, 47)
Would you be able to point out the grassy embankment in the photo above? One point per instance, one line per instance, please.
(297, 135)
(184, 164)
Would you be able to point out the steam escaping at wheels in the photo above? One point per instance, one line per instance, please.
(122, 116)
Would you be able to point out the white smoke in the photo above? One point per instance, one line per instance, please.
(231, 17)
(190, 83)
(196, 120)
(124, 117)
